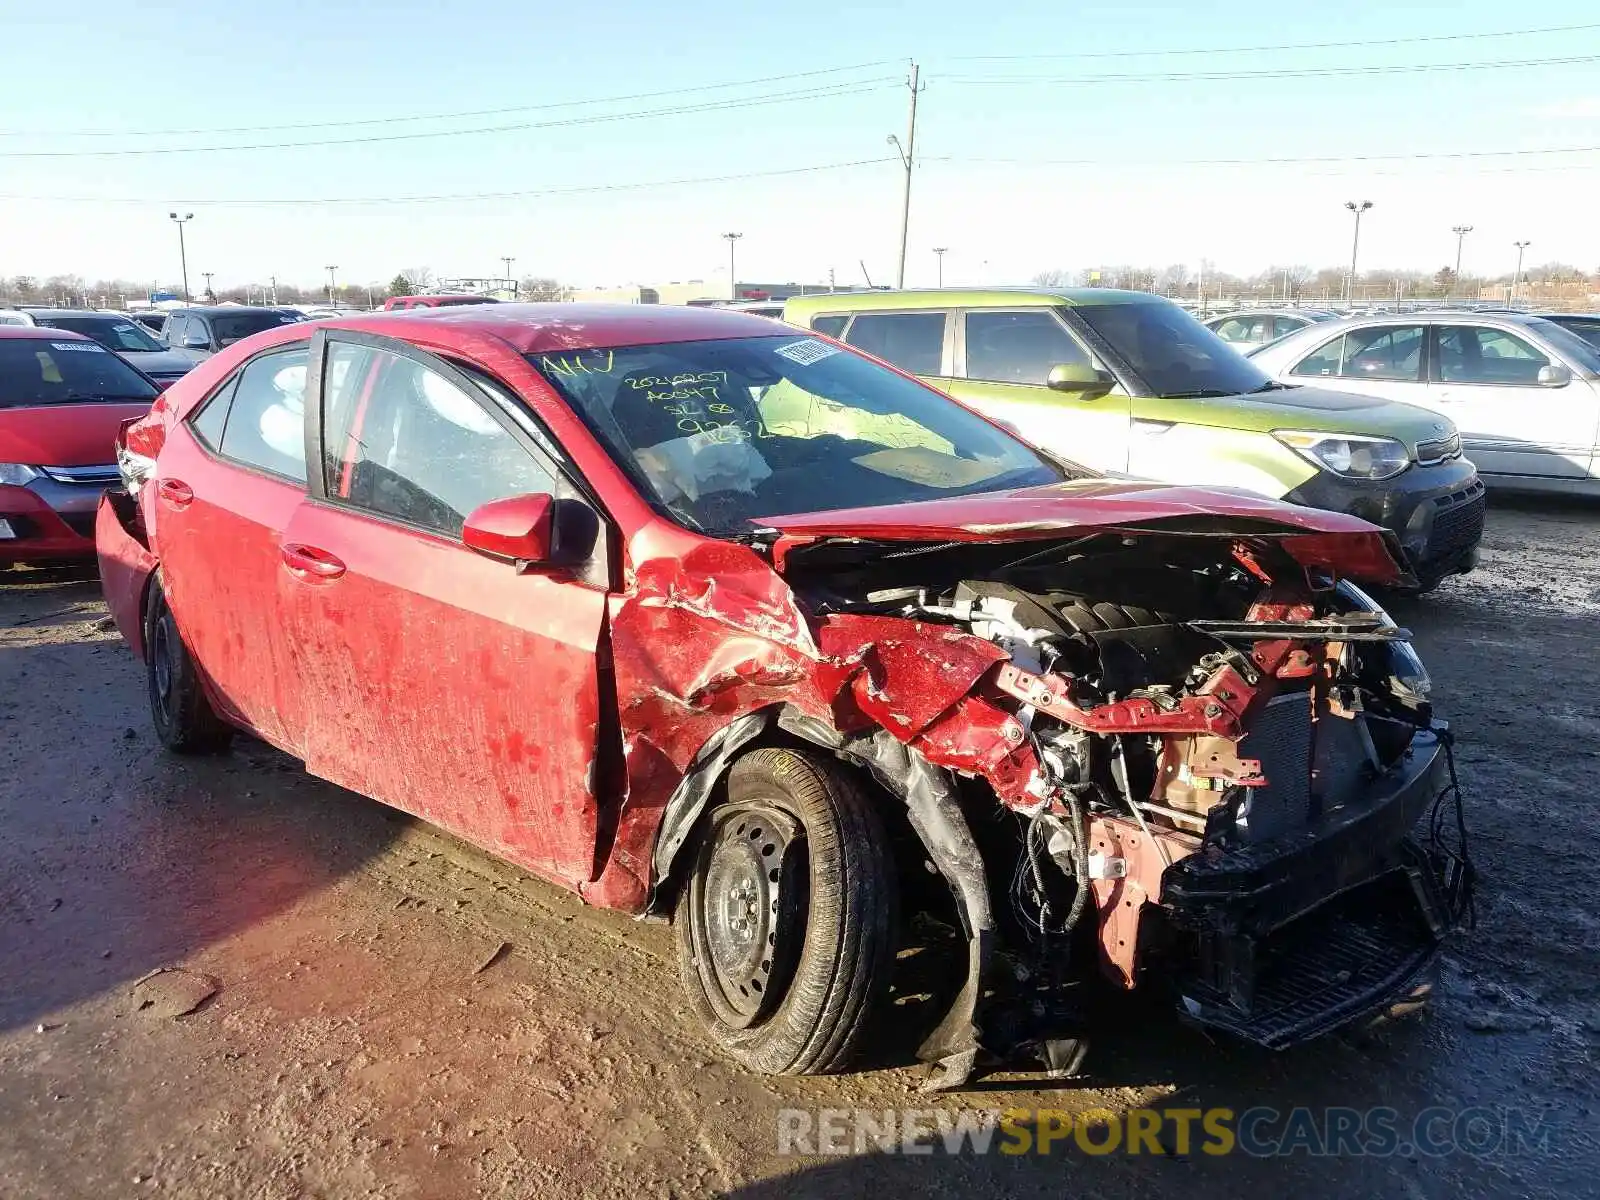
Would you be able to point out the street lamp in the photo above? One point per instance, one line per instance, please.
(183, 256)
(940, 251)
(1355, 243)
(208, 292)
(1461, 232)
(1517, 274)
(733, 286)
(331, 301)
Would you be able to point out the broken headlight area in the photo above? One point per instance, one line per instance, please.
(1227, 781)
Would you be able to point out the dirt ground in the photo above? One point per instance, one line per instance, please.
(357, 1045)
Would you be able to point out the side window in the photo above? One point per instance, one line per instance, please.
(1386, 352)
(911, 341)
(172, 330)
(1283, 326)
(831, 324)
(402, 441)
(1470, 354)
(1018, 347)
(208, 423)
(1234, 329)
(265, 414)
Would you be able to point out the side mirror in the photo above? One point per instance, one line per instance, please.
(1080, 378)
(1554, 375)
(518, 528)
(196, 341)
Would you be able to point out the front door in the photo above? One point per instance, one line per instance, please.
(437, 680)
(1003, 359)
(1486, 380)
(228, 480)
(1371, 360)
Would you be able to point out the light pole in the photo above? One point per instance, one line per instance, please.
(1461, 232)
(273, 280)
(1355, 243)
(508, 260)
(331, 301)
(208, 292)
(733, 285)
(1517, 275)
(183, 256)
(940, 251)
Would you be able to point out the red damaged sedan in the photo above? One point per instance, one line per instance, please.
(62, 398)
(699, 615)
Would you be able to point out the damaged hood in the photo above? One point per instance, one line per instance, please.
(1343, 544)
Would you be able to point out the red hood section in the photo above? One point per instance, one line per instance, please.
(1315, 537)
(64, 435)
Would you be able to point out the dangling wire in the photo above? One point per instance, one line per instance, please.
(1460, 875)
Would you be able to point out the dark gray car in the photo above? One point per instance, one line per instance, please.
(198, 333)
(120, 333)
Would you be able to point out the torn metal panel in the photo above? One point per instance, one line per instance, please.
(126, 565)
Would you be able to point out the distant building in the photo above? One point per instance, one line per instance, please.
(694, 291)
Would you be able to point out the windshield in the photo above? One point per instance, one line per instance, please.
(1171, 352)
(108, 331)
(234, 327)
(1577, 344)
(38, 371)
(722, 433)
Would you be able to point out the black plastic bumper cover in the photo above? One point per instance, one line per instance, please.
(1291, 939)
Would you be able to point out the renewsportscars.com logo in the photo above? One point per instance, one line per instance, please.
(1259, 1132)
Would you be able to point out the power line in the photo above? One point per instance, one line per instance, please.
(459, 197)
(1272, 73)
(1257, 162)
(1402, 41)
(825, 92)
(445, 116)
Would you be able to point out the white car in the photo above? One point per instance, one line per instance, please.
(1247, 328)
(15, 316)
(1524, 392)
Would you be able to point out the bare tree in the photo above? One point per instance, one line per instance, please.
(1171, 279)
(1055, 277)
(420, 278)
(534, 288)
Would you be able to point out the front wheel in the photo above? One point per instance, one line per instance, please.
(184, 719)
(786, 923)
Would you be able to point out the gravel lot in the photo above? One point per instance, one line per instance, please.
(357, 1045)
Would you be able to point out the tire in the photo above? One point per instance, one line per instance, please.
(184, 719)
(786, 983)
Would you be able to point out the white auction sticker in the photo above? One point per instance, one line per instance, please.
(807, 352)
(82, 347)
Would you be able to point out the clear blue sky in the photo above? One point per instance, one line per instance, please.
(1127, 192)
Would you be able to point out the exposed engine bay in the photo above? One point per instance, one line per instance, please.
(1228, 775)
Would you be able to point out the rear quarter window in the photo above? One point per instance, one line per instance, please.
(831, 324)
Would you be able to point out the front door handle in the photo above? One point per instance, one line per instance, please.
(176, 493)
(310, 563)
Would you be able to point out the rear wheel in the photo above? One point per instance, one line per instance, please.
(786, 921)
(184, 719)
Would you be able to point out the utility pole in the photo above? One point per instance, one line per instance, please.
(208, 292)
(1517, 274)
(273, 279)
(508, 260)
(907, 158)
(1461, 232)
(1200, 289)
(733, 279)
(331, 300)
(1355, 243)
(940, 251)
(183, 256)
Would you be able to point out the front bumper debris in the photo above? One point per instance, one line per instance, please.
(1283, 941)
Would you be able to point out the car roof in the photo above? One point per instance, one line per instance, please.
(42, 333)
(77, 312)
(994, 297)
(221, 308)
(557, 326)
(1267, 312)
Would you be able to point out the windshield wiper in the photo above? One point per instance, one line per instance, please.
(1271, 385)
(1198, 394)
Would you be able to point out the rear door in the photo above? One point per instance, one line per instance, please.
(919, 341)
(438, 680)
(1486, 379)
(1387, 360)
(228, 480)
(1003, 359)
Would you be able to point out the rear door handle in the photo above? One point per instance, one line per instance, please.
(176, 493)
(310, 563)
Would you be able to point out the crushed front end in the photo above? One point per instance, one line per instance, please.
(1222, 761)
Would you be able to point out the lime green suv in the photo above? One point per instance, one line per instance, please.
(1127, 383)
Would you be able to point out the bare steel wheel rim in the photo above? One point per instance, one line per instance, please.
(161, 665)
(749, 910)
